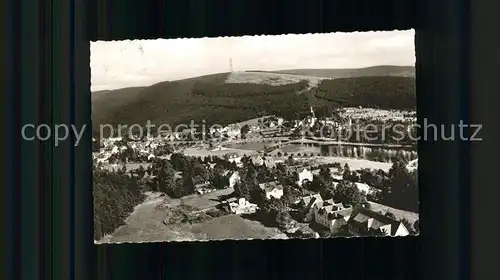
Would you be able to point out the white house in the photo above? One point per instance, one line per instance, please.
(272, 189)
(234, 178)
(257, 160)
(412, 165)
(241, 206)
(270, 163)
(213, 130)
(281, 121)
(305, 175)
(232, 131)
(365, 188)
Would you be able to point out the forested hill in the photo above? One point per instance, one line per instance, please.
(212, 99)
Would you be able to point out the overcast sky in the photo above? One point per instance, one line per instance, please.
(119, 64)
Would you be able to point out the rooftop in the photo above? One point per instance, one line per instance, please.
(362, 215)
(269, 186)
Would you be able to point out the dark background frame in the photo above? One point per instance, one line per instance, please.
(50, 199)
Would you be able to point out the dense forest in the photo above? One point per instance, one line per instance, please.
(115, 196)
(176, 103)
(372, 92)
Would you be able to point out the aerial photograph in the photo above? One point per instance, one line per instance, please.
(255, 137)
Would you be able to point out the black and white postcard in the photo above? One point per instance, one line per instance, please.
(255, 137)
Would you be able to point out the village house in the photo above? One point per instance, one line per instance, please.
(364, 220)
(304, 176)
(215, 130)
(241, 206)
(236, 160)
(171, 136)
(257, 160)
(233, 177)
(232, 131)
(333, 221)
(412, 165)
(202, 188)
(332, 215)
(269, 163)
(272, 189)
(307, 204)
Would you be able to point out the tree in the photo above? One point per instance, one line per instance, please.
(348, 193)
(401, 188)
(115, 197)
(218, 181)
(279, 154)
(141, 171)
(179, 162)
(323, 112)
(244, 130)
(233, 166)
(164, 176)
(317, 184)
(328, 192)
(416, 226)
(325, 174)
(164, 150)
(290, 195)
(292, 179)
(390, 215)
(183, 187)
(247, 184)
(275, 212)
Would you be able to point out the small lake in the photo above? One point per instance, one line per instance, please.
(254, 146)
(359, 152)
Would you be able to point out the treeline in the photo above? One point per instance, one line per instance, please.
(115, 196)
(383, 92)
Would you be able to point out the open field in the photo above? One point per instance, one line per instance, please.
(234, 227)
(145, 224)
(274, 79)
(204, 201)
(355, 164)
